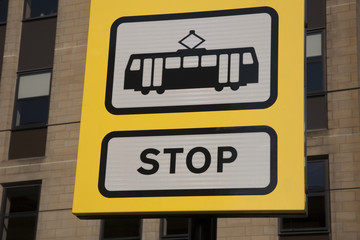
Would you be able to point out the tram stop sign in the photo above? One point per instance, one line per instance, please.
(192, 108)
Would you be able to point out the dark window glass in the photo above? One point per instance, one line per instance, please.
(40, 8)
(126, 228)
(175, 228)
(314, 76)
(28, 143)
(317, 220)
(20, 212)
(24, 200)
(2, 45)
(316, 176)
(316, 112)
(37, 44)
(33, 110)
(3, 10)
(315, 12)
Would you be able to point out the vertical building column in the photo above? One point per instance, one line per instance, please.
(8, 75)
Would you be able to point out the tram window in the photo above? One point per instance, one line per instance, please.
(172, 62)
(135, 65)
(208, 61)
(191, 62)
(247, 58)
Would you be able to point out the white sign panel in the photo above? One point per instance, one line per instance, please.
(210, 161)
(193, 62)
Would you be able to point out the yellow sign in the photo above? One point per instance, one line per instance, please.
(192, 107)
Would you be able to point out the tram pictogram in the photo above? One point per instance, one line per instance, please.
(192, 68)
(200, 61)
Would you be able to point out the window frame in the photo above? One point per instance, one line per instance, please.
(322, 93)
(24, 18)
(19, 185)
(174, 236)
(323, 61)
(102, 229)
(325, 193)
(315, 17)
(35, 125)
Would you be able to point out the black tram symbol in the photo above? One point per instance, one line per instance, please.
(192, 68)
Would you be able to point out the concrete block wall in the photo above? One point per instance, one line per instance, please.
(57, 168)
(341, 141)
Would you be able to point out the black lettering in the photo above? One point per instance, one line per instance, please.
(189, 160)
(173, 152)
(153, 162)
(222, 160)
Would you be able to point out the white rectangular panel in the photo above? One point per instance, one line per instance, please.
(195, 159)
(146, 79)
(234, 67)
(187, 83)
(223, 68)
(158, 70)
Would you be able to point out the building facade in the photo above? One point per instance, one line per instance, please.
(42, 64)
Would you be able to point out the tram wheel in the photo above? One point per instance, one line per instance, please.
(234, 87)
(160, 90)
(145, 91)
(219, 88)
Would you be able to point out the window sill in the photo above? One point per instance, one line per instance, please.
(316, 130)
(305, 232)
(28, 127)
(38, 159)
(39, 17)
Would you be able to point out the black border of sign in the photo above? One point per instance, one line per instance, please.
(195, 108)
(190, 192)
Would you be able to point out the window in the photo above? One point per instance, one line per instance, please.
(28, 138)
(37, 44)
(19, 212)
(32, 104)
(317, 220)
(315, 73)
(3, 16)
(40, 8)
(175, 228)
(247, 58)
(208, 61)
(316, 86)
(314, 62)
(121, 229)
(3, 10)
(135, 65)
(172, 62)
(191, 62)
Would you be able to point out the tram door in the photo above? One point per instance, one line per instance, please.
(152, 78)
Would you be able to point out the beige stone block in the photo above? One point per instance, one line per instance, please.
(344, 196)
(345, 216)
(351, 206)
(351, 226)
(232, 232)
(260, 221)
(254, 230)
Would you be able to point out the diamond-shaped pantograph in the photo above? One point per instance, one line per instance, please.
(192, 40)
